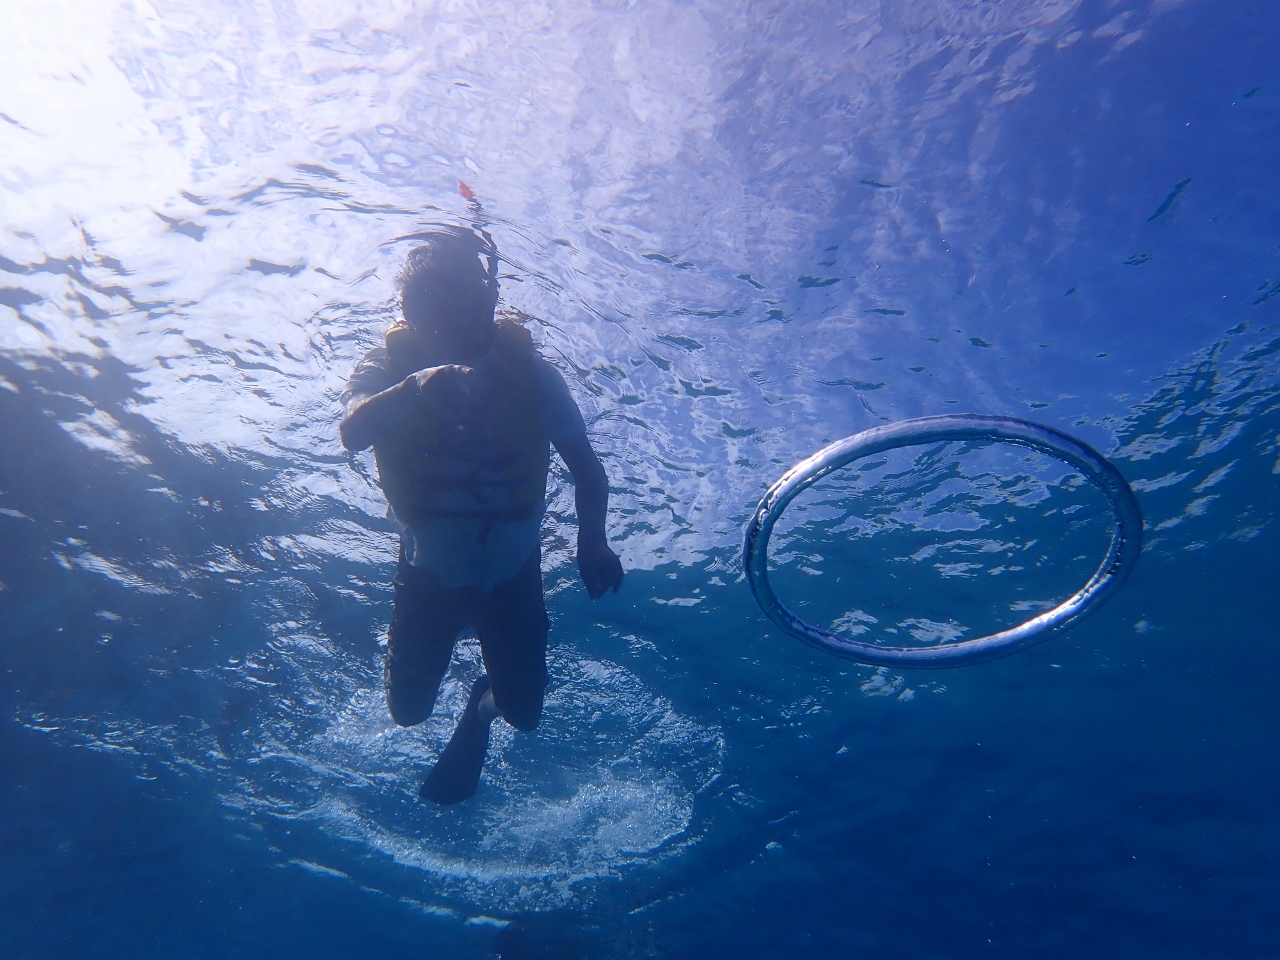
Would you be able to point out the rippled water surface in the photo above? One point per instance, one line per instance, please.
(741, 232)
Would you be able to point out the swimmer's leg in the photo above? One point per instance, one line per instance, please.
(511, 621)
(512, 626)
(457, 773)
(424, 625)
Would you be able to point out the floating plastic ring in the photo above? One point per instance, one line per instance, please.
(1122, 554)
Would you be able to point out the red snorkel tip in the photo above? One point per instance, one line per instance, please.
(465, 191)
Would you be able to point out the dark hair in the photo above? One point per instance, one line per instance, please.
(451, 255)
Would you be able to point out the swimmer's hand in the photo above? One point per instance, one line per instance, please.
(599, 566)
(447, 385)
(368, 419)
(447, 391)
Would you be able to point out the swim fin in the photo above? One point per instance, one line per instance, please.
(457, 771)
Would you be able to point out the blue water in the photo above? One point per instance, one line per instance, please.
(745, 231)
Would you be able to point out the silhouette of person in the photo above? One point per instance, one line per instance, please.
(462, 413)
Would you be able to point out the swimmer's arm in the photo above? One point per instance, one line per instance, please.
(370, 418)
(598, 564)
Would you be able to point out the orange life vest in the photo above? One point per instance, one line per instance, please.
(496, 469)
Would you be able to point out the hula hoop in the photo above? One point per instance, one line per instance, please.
(1122, 554)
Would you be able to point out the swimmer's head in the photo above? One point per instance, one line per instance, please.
(448, 292)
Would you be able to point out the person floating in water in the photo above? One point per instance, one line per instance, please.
(462, 412)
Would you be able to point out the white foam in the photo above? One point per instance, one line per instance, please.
(607, 782)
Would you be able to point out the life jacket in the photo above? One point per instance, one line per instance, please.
(493, 469)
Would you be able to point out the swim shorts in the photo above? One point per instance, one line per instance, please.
(510, 620)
